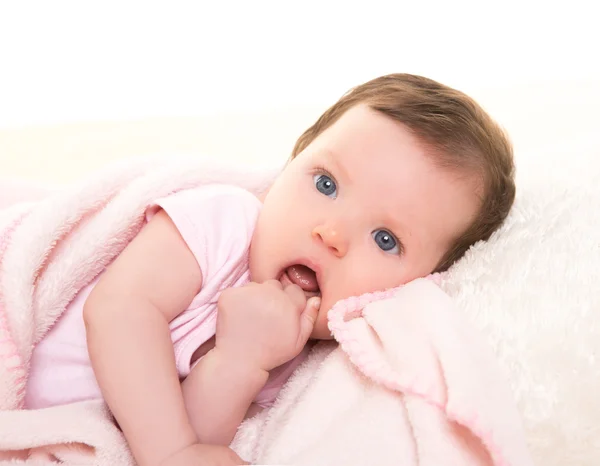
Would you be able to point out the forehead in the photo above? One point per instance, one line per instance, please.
(364, 129)
(391, 171)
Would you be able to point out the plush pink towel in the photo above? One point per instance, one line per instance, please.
(417, 344)
(411, 382)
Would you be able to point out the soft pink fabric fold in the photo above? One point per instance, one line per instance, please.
(418, 345)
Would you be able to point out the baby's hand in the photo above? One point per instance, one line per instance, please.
(264, 325)
(205, 455)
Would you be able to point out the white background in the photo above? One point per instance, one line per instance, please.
(101, 60)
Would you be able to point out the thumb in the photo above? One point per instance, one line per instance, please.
(308, 318)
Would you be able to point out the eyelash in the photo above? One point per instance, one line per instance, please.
(321, 170)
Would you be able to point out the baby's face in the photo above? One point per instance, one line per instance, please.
(361, 209)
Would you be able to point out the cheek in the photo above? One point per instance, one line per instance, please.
(293, 208)
(285, 196)
(366, 274)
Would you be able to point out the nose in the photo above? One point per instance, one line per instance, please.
(331, 237)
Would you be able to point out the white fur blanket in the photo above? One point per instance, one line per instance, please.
(409, 361)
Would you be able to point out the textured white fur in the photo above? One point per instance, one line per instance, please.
(534, 291)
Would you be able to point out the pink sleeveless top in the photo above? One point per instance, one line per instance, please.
(216, 222)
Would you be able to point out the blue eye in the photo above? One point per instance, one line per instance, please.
(325, 185)
(386, 241)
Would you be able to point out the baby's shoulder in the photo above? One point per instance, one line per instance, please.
(215, 220)
(221, 196)
(217, 223)
(213, 201)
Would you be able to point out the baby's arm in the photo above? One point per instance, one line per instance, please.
(127, 320)
(218, 393)
(260, 327)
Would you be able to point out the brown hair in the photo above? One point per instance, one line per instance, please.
(457, 131)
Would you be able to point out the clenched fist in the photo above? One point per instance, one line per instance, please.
(264, 324)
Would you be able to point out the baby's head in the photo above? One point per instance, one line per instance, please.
(393, 182)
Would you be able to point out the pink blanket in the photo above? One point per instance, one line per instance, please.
(411, 382)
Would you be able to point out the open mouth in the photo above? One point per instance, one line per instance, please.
(304, 277)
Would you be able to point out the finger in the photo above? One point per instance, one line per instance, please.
(274, 283)
(308, 319)
(296, 295)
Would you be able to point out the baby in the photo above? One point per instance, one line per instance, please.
(393, 182)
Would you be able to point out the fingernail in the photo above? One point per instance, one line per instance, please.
(316, 302)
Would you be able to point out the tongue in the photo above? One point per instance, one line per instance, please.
(304, 277)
